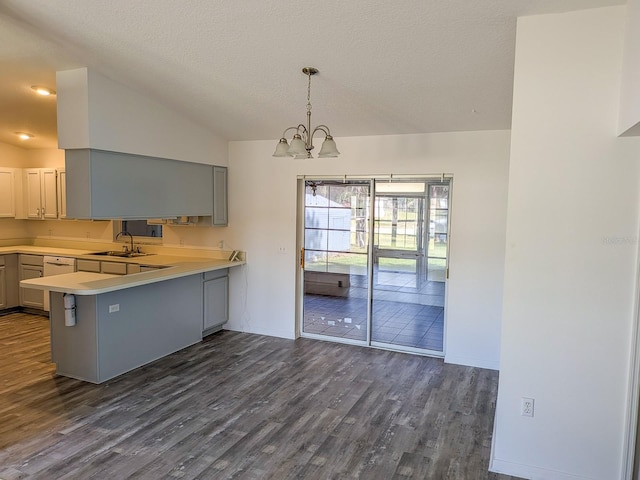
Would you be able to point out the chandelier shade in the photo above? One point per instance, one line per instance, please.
(329, 148)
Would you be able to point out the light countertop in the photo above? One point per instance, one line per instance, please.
(88, 283)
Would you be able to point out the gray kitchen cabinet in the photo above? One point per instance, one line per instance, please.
(9, 296)
(31, 266)
(107, 185)
(216, 300)
(62, 193)
(88, 266)
(113, 268)
(220, 207)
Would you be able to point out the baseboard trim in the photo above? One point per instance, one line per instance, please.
(259, 331)
(531, 472)
(32, 311)
(472, 362)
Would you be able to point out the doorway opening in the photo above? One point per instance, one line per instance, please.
(374, 261)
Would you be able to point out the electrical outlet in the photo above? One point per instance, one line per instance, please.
(114, 308)
(282, 250)
(526, 406)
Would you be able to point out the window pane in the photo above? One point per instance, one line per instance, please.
(316, 261)
(315, 217)
(352, 263)
(139, 228)
(319, 198)
(315, 239)
(339, 240)
(440, 221)
(340, 218)
(438, 246)
(404, 265)
(347, 195)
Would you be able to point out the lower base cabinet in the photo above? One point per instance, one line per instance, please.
(9, 287)
(216, 300)
(31, 266)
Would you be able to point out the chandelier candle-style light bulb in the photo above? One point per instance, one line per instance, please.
(302, 141)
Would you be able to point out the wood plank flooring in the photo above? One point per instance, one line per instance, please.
(247, 407)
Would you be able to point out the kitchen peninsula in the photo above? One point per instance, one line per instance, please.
(126, 321)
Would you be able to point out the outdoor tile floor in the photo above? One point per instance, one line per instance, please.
(396, 323)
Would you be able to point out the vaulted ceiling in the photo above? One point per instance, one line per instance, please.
(234, 66)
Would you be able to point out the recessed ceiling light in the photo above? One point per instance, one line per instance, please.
(24, 136)
(44, 91)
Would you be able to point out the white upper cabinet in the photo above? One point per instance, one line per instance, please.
(49, 193)
(7, 193)
(32, 192)
(41, 193)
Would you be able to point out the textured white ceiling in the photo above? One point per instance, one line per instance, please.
(234, 66)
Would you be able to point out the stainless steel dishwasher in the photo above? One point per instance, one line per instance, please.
(56, 266)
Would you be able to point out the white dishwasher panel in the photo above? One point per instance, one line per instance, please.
(56, 266)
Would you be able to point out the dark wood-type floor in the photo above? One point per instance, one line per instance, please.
(244, 406)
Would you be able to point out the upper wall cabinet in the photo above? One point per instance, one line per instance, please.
(7, 193)
(220, 208)
(62, 193)
(41, 193)
(107, 185)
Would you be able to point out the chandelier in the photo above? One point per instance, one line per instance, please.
(302, 141)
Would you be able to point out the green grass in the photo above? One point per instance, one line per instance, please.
(358, 260)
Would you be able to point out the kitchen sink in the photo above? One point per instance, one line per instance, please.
(119, 253)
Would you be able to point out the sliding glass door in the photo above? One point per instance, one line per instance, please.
(335, 267)
(407, 297)
(375, 263)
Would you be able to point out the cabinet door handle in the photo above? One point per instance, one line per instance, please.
(38, 212)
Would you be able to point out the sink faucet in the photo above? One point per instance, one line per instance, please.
(130, 236)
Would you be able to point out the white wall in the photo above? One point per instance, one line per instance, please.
(572, 235)
(15, 157)
(12, 157)
(12, 229)
(263, 218)
(97, 112)
(630, 91)
(44, 157)
(84, 230)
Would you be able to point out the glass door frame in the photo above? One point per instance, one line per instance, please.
(300, 229)
(301, 207)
